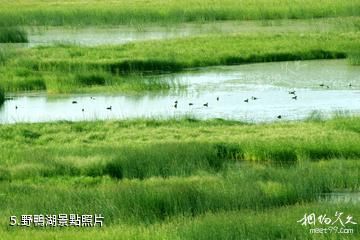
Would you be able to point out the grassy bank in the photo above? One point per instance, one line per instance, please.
(354, 58)
(24, 79)
(157, 199)
(63, 68)
(13, 35)
(166, 12)
(177, 54)
(179, 179)
(223, 225)
(126, 149)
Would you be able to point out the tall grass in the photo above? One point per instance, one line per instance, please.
(177, 54)
(217, 226)
(354, 58)
(25, 79)
(2, 95)
(158, 199)
(6, 53)
(274, 224)
(166, 12)
(115, 150)
(185, 179)
(13, 35)
(69, 68)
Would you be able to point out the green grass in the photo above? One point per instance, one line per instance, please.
(263, 225)
(2, 96)
(354, 58)
(65, 68)
(140, 12)
(157, 199)
(177, 54)
(176, 178)
(6, 53)
(13, 35)
(222, 225)
(126, 149)
(25, 79)
(179, 178)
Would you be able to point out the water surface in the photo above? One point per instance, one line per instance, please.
(270, 83)
(123, 34)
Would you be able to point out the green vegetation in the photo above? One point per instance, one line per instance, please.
(139, 12)
(176, 178)
(126, 149)
(184, 179)
(156, 199)
(354, 58)
(222, 225)
(64, 68)
(2, 96)
(12, 35)
(25, 79)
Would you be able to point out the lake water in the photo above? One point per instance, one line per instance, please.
(93, 36)
(270, 83)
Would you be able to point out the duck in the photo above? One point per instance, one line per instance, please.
(294, 97)
(292, 92)
(254, 98)
(218, 98)
(206, 104)
(109, 108)
(322, 85)
(246, 100)
(190, 104)
(175, 106)
(279, 116)
(74, 102)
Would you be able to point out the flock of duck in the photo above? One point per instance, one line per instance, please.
(293, 93)
(246, 100)
(253, 98)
